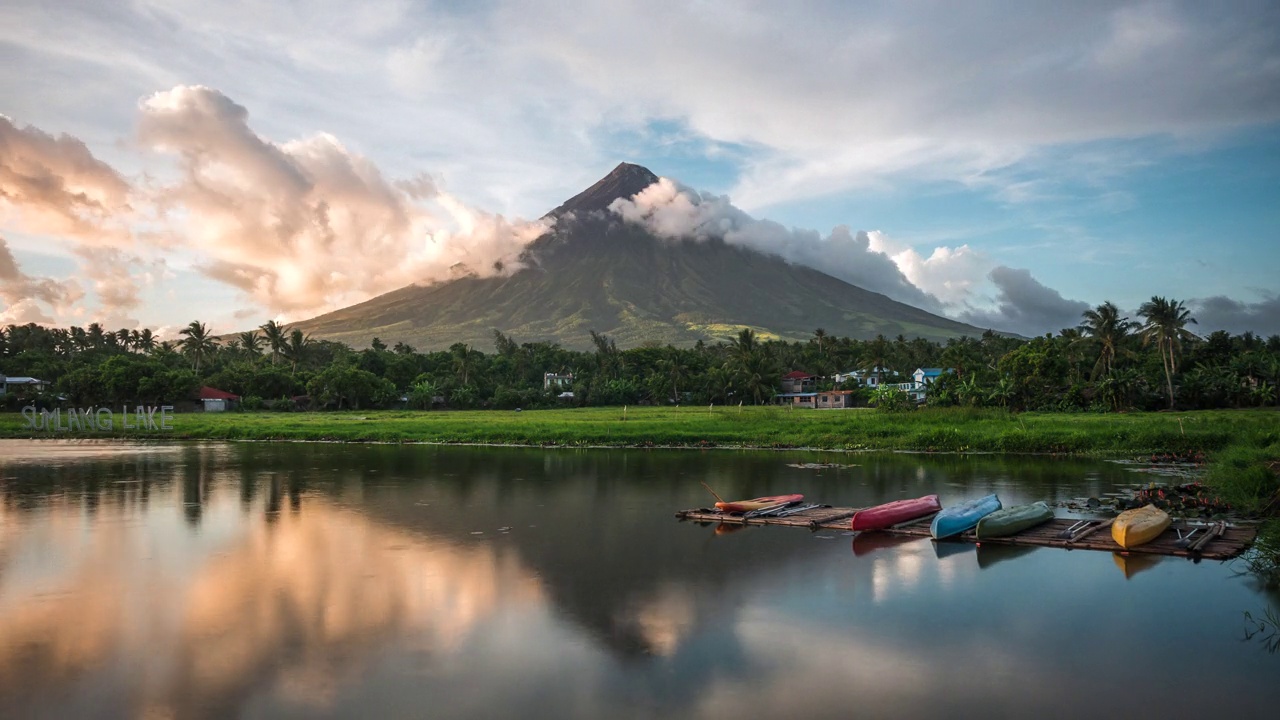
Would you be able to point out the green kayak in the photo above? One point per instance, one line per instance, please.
(1013, 520)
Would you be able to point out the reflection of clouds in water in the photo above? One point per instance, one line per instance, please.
(810, 664)
(665, 619)
(44, 452)
(294, 606)
(898, 572)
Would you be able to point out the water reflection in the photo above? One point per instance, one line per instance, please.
(1133, 563)
(366, 581)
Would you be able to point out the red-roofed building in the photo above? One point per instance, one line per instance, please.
(797, 382)
(216, 400)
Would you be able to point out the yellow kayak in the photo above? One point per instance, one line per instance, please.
(1140, 525)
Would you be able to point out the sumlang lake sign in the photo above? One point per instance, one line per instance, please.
(140, 417)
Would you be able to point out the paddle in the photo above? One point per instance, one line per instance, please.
(713, 492)
(1185, 541)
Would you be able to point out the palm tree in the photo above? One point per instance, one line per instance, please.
(124, 339)
(464, 361)
(251, 341)
(146, 341)
(1166, 325)
(297, 348)
(877, 358)
(276, 338)
(676, 368)
(1105, 327)
(95, 336)
(197, 342)
(819, 336)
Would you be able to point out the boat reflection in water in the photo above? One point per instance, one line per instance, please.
(989, 554)
(865, 543)
(951, 548)
(1133, 563)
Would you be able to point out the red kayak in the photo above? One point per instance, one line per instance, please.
(741, 506)
(898, 511)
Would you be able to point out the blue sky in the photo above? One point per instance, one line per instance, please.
(164, 160)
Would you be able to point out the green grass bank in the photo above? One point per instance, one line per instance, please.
(941, 430)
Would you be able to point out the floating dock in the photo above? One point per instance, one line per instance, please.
(1211, 541)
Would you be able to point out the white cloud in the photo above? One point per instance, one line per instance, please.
(672, 211)
(29, 299)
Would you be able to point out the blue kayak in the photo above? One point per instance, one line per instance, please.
(958, 518)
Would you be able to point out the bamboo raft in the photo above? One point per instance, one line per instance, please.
(1212, 541)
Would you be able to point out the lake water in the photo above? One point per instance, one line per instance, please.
(368, 581)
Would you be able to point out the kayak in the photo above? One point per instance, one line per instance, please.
(893, 513)
(1140, 525)
(1010, 521)
(741, 506)
(958, 518)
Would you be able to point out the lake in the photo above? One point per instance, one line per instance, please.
(257, 580)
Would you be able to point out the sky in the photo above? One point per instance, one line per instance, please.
(1006, 164)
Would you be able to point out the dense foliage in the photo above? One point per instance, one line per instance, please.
(1108, 363)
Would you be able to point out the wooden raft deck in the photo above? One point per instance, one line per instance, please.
(1225, 544)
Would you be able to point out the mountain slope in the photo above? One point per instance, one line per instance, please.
(595, 272)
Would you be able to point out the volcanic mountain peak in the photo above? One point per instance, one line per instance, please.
(595, 274)
(623, 181)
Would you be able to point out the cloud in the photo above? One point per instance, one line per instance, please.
(1236, 317)
(55, 185)
(29, 299)
(672, 211)
(1025, 306)
(951, 274)
(308, 226)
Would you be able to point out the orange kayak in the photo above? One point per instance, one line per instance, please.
(742, 506)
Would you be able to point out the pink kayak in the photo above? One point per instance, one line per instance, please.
(898, 511)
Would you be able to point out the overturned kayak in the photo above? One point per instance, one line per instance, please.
(1140, 525)
(958, 518)
(893, 513)
(742, 506)
(1010, 521)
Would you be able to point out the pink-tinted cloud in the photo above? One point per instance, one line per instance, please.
(307, 226)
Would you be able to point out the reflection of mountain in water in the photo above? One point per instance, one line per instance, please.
(230, 570)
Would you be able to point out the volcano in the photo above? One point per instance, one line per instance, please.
(593, 271)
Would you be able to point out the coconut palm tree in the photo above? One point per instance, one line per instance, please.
(1166, 322)
(276, 338)
(297, 348)
(196, 343)
(819, 337)
(1107, 329)
(251, 342)
(146, 341)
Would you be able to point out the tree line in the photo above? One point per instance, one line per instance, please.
(1108, 363)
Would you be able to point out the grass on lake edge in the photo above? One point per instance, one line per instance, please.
(932, 430)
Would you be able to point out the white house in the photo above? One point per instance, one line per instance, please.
(866, 378)
(21, 383)
(922, 379)
(557, 380)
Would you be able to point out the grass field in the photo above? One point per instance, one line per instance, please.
(950, 430)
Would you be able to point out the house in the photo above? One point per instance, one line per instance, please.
(216, 400)
(922, 378)
(798, 382)
(835, 399)
(797, 399)
(864, 378)
(20, 384)
(557, 380)
(797, 390)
